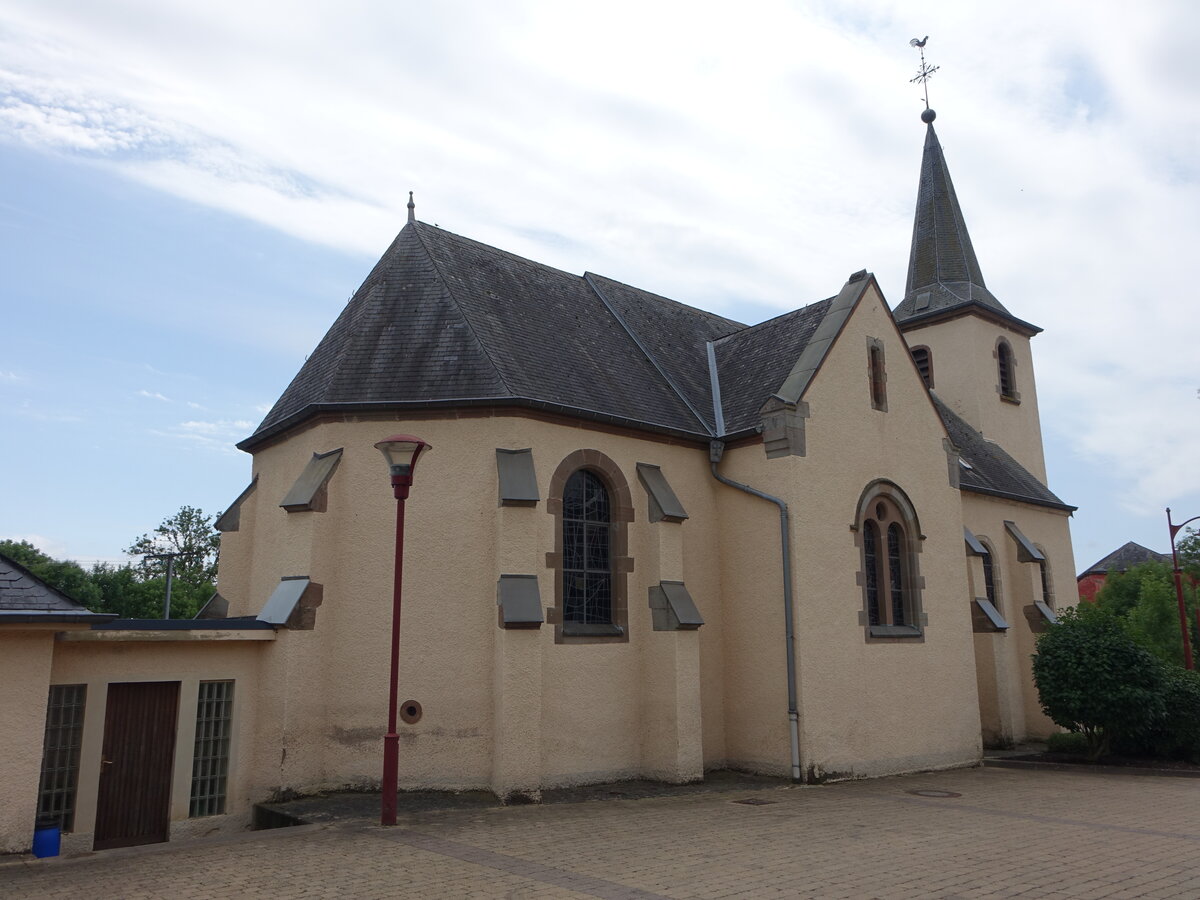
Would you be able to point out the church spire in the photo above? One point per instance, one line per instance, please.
(943, 271)
(944, 277)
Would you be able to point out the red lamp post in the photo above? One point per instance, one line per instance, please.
(401, 452)
(1187, 648)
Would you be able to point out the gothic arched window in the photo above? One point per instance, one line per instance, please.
(889, 538)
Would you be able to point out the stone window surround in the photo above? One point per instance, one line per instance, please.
(622, 513)
(914, 582)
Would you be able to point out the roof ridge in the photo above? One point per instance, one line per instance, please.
(425, 226)
(747, 329)
(445, 282)
(646, 352)
(708, 314)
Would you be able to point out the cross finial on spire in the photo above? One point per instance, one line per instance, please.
(412, 208)
(923, 75)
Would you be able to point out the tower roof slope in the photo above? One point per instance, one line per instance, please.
(943, 270)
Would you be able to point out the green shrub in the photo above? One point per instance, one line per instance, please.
(1067, 742)
(1092, 678)
(1176, 734)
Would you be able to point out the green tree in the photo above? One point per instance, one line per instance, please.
(1143, 599)
(1188, 549)
(189, 534)
(1094, 678)
(138, 592)
(68, 577)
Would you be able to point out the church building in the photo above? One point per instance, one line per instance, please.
(647, 541)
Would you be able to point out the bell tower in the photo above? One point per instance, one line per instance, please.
(973, 353)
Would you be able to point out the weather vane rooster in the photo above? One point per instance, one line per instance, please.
(923, 75)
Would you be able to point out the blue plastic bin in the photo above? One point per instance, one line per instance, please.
(47, 836)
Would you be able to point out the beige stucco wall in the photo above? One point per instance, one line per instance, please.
(1009, 704)
(98, 659)
(25, 658)
(598, 710)
(865, 706)
(966, 376)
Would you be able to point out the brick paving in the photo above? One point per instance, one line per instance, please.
(1010, 833)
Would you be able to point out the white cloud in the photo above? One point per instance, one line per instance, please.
(11, 377)
(743, 162)
(153, 395)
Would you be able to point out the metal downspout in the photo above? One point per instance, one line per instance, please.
(785, 534)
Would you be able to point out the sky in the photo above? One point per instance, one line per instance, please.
(190, 192)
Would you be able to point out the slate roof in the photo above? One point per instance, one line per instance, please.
(992, 470)
(26, 598)
(943, 271)
(1124, 558)
(446, 321)
(754, 362)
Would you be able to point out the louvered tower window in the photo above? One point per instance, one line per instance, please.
(1004, 363)
(924, 360)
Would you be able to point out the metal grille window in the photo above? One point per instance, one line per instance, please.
(60, 752)
(587, 557)
(210, 762)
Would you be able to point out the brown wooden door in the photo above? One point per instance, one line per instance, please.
(134, 802)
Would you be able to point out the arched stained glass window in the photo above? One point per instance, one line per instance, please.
(896, 573)
(871, 571)
(587, 551)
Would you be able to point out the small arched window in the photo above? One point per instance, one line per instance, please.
(587, 551)
(876, 373)
(888, 535)
(1047, 589)
(924, 360)
(989, 578)
(1004, 365)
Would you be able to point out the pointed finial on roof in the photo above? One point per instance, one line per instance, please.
(923, 75)
(412, 208)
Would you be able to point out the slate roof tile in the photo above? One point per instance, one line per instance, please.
(755, 361)
(22, 591)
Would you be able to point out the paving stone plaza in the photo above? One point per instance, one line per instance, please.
(987, 832)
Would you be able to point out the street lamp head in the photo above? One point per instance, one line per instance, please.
(401, 452)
